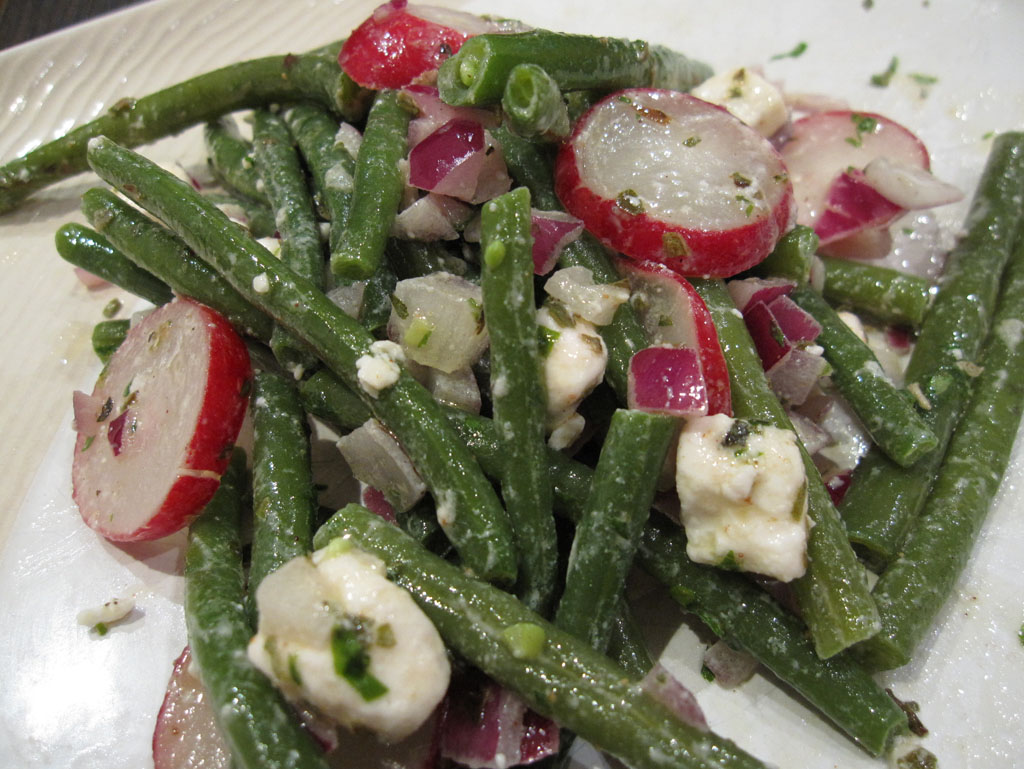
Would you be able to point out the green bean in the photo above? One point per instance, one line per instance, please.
(915, 586)
(736, 609)
(565, 680)
(131, 122)
(533, 104)
(517, 390)
(627, 645)
(884, 498)
(230, 158)
(330, 164)
(324, 396)
(531, 168)
(161, 252)
(607, 535)
(284, 182)
(107, 336)
(284, 501)
(416, 258)
(885, 294)
(477, 74)
(473, 518)
(891, 419)
(377, 189)
(256, 721)
(792, 256)
(833, 594)
(94, 253)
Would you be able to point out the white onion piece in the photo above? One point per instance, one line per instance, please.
(378, 460)
(596, 302)
(909, 186)
(432, 217)
(438, 320)
(348, 297)
(552, 231)
(813, 437)
(458, 389)
(666, 689)
(730, 666)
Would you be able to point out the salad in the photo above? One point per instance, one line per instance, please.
(712, 718)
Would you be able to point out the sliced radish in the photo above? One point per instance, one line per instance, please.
(398, 43)
(826, 144)
(674, 315)
(667, 380)
(186, 734)
(170, 405)
(664, 176)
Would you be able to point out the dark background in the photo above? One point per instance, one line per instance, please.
(22, 20)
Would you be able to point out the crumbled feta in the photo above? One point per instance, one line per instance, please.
(114, 610)
(340, 597)
(380, 369)
(261, 283)
(574, 364)
(742, 489)
(748, 96)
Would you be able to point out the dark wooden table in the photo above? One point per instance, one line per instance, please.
(22, 20)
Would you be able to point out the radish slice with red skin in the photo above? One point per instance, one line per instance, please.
(399, 43)
(667, 380)
(825, 144)
(663, 176)
(178, 388)
(674, 315)
(186, 734)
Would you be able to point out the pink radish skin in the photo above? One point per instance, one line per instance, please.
(824, 145)
(674, 315)
(186, 734)
(171, 404)
(664, 176)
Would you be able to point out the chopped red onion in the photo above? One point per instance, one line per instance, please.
(432, 217)
(748, 290)
(375, 501)
(434, 113)
(90, 281)
(485, 726)
(768, 338)
(794, 375)
(909, 186)
(664, 687)
(853, 205)
(378, 460)
(730, 666)
(552, 231)
(796, 324)
(459, 159)
(667, 380)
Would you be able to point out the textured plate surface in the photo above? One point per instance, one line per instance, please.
(71, 699)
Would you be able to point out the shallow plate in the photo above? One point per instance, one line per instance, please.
(71, 699)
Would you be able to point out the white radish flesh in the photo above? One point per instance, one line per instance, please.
(171, 404)
(663, 175)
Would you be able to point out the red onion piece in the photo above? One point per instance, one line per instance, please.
(794, 376)
(86, 409)
(838, 485)
(748, 290)
(375, 501)
(768, 338)
(730, 666)
(664, 687)
(377, 459)
(852, 205)
(796, 323)
(485, 726)
(186, 734)
(434, 113)
(552, 231)
(432, 217)
(667, 380)
(909, 186)
(90, 281)
(899, 338)
(461, 160)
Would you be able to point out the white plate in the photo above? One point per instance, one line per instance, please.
(71, 699)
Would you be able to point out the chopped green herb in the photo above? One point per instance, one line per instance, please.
(918, 758)
(400, 309)
(674, 244)
(560, 314)
(593, 342)
(352, 662)
(739, 179)
(748, 204)
(112, 308)
(101, 628)
(385, 636)
(691, 141)
(665, 320)
(418, 333)
(882, 79)
(108, 407)
(737, 434)
(629, 202)
(88, 442)
(796, 52)
(863, 124)
(706, 673)
(988, 135)
(683, 596)
(730, 562)
(546, 340)
(293, 669)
